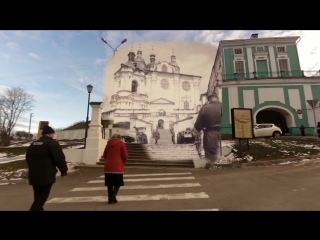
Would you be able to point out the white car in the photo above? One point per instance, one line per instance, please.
(266, 130)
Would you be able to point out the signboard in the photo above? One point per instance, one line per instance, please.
(242, 123)
(40, 127)
(299, 111)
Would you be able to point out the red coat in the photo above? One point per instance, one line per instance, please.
(115, 155)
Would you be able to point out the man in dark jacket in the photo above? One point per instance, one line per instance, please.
(209, 120)
(43, 158)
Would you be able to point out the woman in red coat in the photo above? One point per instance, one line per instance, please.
(116, 156)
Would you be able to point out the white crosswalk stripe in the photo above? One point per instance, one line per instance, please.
(153, 174)
(139, 187)
(147, 180)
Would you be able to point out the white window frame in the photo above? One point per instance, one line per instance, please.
(244, 66)
(186, 102)
(285, 49)
(234, 51)
(255, 63)
(289, 66)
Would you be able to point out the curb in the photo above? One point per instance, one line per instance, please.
(232, 165)
(133, 167)
(265, 163)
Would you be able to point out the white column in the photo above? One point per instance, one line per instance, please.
(95, 144)
(273, 62)
(196, 85)
(250, 61)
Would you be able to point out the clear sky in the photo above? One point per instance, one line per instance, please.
(56, 66)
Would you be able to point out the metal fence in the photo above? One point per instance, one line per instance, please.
(264, 75)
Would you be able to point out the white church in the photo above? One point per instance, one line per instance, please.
(153, 95)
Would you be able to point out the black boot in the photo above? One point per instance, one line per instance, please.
(110, 195)
(115, 192)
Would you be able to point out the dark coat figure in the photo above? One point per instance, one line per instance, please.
(156, 136)
(116, 156)
(209, 120)
(318, 129)
(172, 136)
(144, 138)
(302, 128)
(43, 158)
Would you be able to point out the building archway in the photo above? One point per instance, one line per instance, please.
(276, 115)
(160, 124)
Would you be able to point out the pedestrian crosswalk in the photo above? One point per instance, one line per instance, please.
(171, 186)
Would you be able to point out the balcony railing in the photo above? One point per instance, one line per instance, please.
(264, 75)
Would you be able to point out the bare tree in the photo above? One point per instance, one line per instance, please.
(13, 103)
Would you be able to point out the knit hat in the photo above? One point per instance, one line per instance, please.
(47, 130)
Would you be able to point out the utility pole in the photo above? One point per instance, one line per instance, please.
(31, 115)
(313, 104)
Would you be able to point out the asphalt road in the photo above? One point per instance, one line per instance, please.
(292, 186)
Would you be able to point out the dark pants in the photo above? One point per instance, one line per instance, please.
(211, 144)
(302, 132)
(40, 195)
(112, 193)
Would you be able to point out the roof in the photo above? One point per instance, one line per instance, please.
(250, 41)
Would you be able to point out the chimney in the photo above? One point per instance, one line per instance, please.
(254, 35)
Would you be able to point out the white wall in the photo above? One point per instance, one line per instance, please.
(70, 134)
(73, 155)
(271, 94)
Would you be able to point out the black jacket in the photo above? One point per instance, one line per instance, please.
(43, 158)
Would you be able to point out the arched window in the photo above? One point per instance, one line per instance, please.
(186, 105)
(164, 68)
(134, 86)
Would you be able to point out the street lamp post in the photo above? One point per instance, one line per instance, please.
(89, 89)
(114, 49)
(31, 115)
(114, 52)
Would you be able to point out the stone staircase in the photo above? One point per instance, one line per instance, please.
(165, 137)
(164, 155)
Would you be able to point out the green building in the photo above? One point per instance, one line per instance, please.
(264, 74)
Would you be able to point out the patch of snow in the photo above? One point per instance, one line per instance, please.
(232, 159)
(287, 162)
(13, 175)
(228, 144)
(3, 155)
(19, 145)
(12, 160)
(305, 160)
(76, 147)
